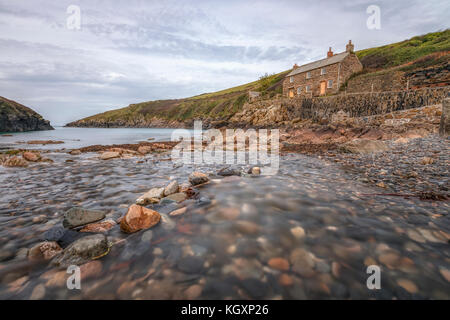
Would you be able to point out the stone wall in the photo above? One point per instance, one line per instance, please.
(378, 82)
(284, 111)
(397, 80)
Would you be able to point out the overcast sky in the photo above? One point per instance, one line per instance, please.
(133, 51)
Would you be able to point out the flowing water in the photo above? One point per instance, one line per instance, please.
(82, 137)
(323, 227)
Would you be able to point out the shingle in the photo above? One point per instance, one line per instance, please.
(319, 64)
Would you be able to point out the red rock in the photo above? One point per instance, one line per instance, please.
(285, 280)
(144, 149)
(91, 269)
(44, 251)
(103, 226)
(279, 264)
(15, 162)
(139, 218)
(178, 212)
(31, 156)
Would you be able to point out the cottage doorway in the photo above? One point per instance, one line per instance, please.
(291, 93)
(323, 86)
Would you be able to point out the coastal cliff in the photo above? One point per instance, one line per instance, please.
(15, 117)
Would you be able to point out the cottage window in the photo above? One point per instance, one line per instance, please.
(308, 75)
(323, 71)
(308, 88)
(330, 83)
(291, 79)
(299, 90)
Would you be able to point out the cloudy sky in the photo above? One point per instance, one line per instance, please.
(133, 51)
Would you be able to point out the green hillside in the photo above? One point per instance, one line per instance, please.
(420, 51)
(215, 106)
(406, 51)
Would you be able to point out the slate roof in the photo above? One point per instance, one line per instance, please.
(319, 63)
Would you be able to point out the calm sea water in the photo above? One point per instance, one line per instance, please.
(82, 137)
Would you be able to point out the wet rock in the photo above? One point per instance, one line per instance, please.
(302, 262)
(91, 269)
(44, 251)
(256, 171)
(178, 197)
(408, 285)
(171, 188)
(98, 227)
(76, 217)
(364, 146)
(178, 212)
(55, 279)
(109, 155)
(83, 250)
(166, 222)
(196, 178)
(147, 236)
(279, 264)
(38, 292)
(298, 232)
(31, 156)
(152, 196)
(75, 152)
(285, 280)
(445, 273)
(144, 150)
(228, 171)
(254, 287)
(16, 162)
(247, 227)
(139, 218)
(427, 160)
(190, 264)
(193, 292)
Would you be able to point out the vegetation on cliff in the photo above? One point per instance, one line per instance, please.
(399, 53)
(15, 117)
(215, 106)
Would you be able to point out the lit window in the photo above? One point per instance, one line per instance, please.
(291, 79)
(308, 88)
(330, 83)
(299, 90)
(323, 71)
(308, 75)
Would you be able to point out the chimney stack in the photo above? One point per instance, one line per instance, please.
(295, 66)
(350, 47)
(329, 53)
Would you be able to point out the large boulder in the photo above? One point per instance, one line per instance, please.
(76, 217)
(152, 196)
(109, 155)
(139, 218)
(31, 156)
(196, 178)
(83, 250)
(364, 146)
(171, 188)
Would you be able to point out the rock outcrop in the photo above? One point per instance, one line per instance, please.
(15, 117)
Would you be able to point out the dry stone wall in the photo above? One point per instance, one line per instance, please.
(284, 111)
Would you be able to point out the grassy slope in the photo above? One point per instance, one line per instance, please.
(224, 103)
(217, 105)
(406, 51)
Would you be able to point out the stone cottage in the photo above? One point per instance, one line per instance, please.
(323, 76)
